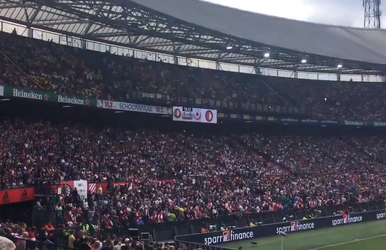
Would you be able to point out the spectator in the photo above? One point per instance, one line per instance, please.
(6, 244)
(22, 244)
(96, 245)
(85, 244)
(71, 239)
(31, 233)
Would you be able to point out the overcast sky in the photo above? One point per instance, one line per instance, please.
(336, 12)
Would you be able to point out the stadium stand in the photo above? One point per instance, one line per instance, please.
(314, 154)
(177, 174)
(34, 64)
(151, 174)
(45, 151)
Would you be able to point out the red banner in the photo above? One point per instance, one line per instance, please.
(16, 195)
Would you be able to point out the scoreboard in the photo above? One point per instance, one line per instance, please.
(189, 114)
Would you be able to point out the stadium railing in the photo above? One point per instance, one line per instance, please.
(167, 231)
(192, 245)
(43, 215)
(61, 245)
(41, 245)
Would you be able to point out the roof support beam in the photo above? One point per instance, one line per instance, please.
(26, 13)
(35, 13)
(7, 5)
(51, 22)
(144, 28)
(90, 23)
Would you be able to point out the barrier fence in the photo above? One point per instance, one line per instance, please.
(192, 245)
(238, 234)
(168, 231)
(39, 245)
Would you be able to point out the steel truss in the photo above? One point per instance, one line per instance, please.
(372, 14)
(128, 24)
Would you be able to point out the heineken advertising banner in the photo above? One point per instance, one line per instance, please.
(289, 120)
(46, 96)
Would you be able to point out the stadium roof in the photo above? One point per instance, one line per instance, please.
(191, 28)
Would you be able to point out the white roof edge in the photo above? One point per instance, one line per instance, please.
(350, 43)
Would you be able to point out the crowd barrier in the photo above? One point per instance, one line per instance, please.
(26, 244)
(246, 233)
(192, 245)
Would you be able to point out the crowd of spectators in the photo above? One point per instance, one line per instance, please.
(17, 236)
(320, 154)
(47, 151)
(182, 176)
(202, 198)
(178, 175)
(373, 146)
(33, 63)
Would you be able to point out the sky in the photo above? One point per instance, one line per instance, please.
(335, 12)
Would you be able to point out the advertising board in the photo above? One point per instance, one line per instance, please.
(228, 236)
(239, 234)
(133, 107)
(17, 195)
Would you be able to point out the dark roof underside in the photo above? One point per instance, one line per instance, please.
(195, 29)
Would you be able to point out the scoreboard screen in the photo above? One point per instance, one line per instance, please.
(190, 114)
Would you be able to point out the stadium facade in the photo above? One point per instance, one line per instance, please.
(195, 33)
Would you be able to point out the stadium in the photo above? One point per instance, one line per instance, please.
(188, 125)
